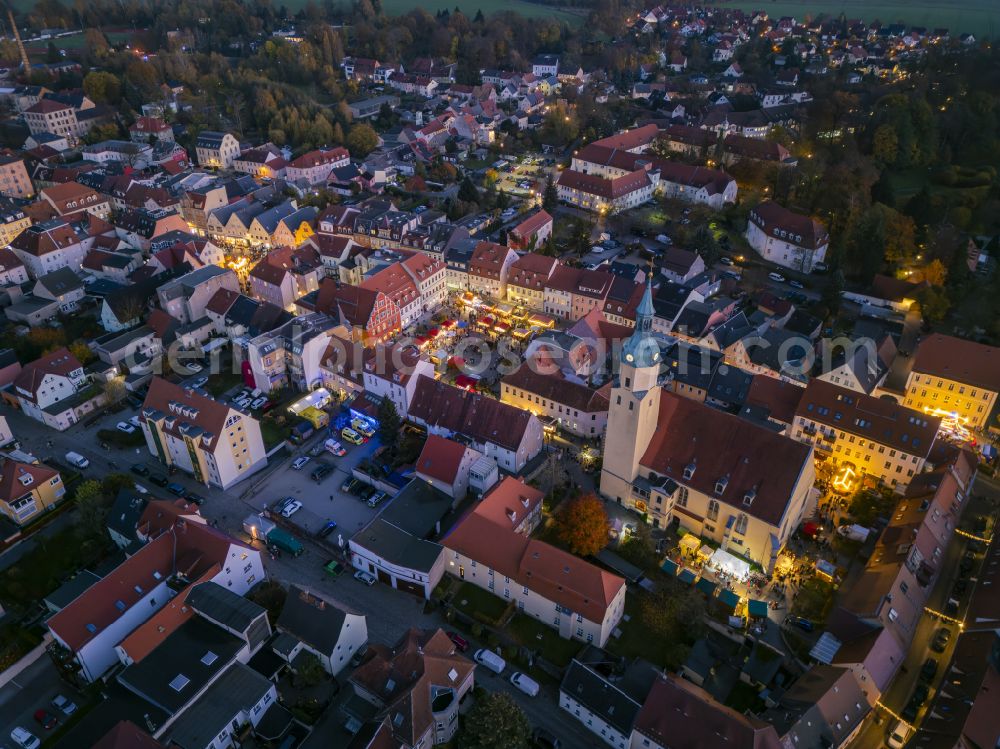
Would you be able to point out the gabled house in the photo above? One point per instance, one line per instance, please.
(54, 390)
(312, 624)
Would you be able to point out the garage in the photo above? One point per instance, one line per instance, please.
(410, 587)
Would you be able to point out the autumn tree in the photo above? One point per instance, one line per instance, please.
(583, 525)
(388, 422)
(495, 722)
(102, 87)
(92, 506)
(361, 140)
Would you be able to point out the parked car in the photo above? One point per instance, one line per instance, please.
(545, 739)
(199, 382)
(376, 499)
(776, 277)
(193, 367)
(326, 530)
(45, 719)
(193, 497)
(350, 485)
(333, 568)
(300, 462)
(796, 284)
(941, 639)
(159, 479)
(139, 469)
(363, 427)
(365, 577)
(134, 421)
(352, 436)
(929, 669)
(291, 508)
(258, 403)
(525, 683)
(461, 644)
(900, 734)
(77, 460)
(491, 660)
(332, 446)
(804, 624)
(176, 489)
(24, 738)
(725, 260)
(64, 705)
(321, 471)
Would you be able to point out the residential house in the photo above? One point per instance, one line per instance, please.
(314, 167)
(571, 293)
(208, 439)
(787, 238)
(264, 162)
(861, 435)
(216, 150)
(603, 195)
(186, 297)
(415, 688)
(510, 435)
(956, 380)
(567, 405)
(527, 278)
(48, 116)
(286, 274)
(370, 315)
(315, 625)
(531, 233)
(70, 199)
(28, 490)
(13, 221)
(89, 629)
(54, 390)
(488, 269)
(680, 265)
(150, 130)
(392, 372)
(491, 548)
(445, 464)
(290, 355)
(14, 179)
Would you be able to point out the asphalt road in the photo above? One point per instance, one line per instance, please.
(33, 688)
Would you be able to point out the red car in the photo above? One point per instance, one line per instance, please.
(45, 719)
(460, 642)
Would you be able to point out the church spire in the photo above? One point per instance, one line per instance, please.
(641, 349)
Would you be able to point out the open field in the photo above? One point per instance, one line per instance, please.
(980, 17)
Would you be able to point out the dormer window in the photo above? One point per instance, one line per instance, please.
(689, 471)
(721, 484)
(750, 496)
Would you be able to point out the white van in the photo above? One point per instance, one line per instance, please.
(899, 735)
(491, 660)
(77, 460)
(24, 739)
(525, 683)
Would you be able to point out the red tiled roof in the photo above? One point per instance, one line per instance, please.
(532, 271)
(630, 139)
(959, 360)
(319, 158)
(487, 535)
(555, 387)
(779, 397)
(474, 415)
(719, 445)
(440, 458)
(59, 362)
(47, 106)
(532, 224)
(13, 475)
(803, 231)
(488, 258)
(126, 735)
(172, 400)
(605, 188)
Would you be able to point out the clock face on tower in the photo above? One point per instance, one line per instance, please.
(629, 357)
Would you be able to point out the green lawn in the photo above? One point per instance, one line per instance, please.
(533, 634)
(980, 17)
(272, 434)
(219, 383)
(478, 603)
(639, 641)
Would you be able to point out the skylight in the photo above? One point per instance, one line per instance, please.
(209, 658)
(179, 682)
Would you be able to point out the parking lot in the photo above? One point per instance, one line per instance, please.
(31, 690)
(322, 501)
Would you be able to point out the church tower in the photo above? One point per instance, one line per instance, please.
(634, 408)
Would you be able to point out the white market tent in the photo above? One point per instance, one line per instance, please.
(731, 565)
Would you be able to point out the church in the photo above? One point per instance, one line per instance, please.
(678, 461)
